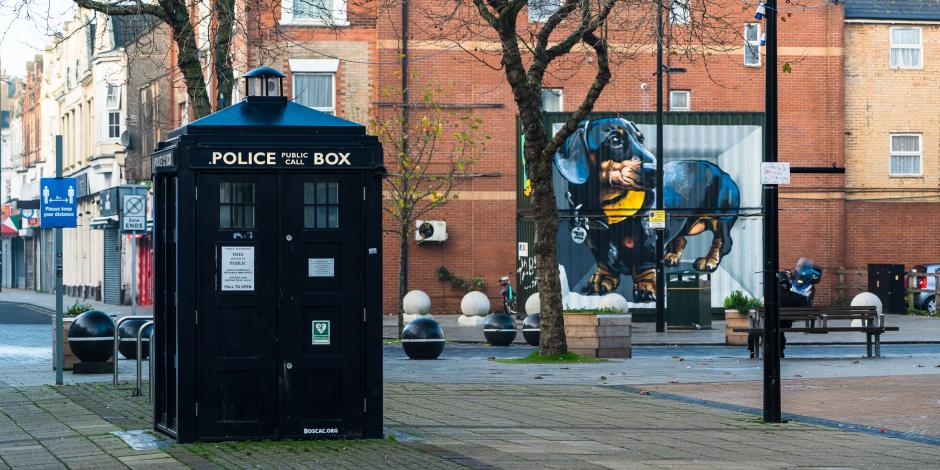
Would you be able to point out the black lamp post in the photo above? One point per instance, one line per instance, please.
(660, 235)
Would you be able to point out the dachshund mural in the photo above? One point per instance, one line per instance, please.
(611, 180)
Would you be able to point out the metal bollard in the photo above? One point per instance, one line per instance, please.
(140, 336)
(150, 365)
(117, 341)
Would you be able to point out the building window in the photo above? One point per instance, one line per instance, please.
(680, 100)
(113, 99)
(905, 154)
(68, 77)
(680, 12)
(906, 48)
(321, 204)
(752, 44)
(114, 124)
(315, 90)
(236, 205)
(553, 100)
(184, 112)
(315, 12)
(541, 10)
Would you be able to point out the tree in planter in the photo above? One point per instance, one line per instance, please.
(429, 154)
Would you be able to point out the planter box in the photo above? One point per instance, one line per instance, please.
(68, 359)
(735, 319)
(599, 335)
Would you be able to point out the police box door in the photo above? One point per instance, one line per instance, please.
(237, 314)
(321, 269)
(280, 319)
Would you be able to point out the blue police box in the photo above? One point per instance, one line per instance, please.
(58, 199)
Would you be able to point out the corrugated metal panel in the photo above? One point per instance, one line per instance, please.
(112, 266)
(525, 265)
(733, 142)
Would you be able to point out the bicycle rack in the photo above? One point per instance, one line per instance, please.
(117, 340)
(140, 337)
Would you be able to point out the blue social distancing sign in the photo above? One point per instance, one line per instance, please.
(57, 202)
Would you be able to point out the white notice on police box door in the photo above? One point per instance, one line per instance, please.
(238, 268)
(321, 267)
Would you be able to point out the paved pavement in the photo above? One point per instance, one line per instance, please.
(465, 410)
(455, 426)
(912, 329)
(906, 404)
(47, 301)
(469, 364)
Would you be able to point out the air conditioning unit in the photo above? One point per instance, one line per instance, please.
(430, 231)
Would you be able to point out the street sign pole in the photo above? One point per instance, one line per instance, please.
(58, 275)
(134, 274)
(772, 396)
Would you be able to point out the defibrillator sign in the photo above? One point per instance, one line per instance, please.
(321, 332)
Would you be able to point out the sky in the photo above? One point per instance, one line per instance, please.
(24, 29)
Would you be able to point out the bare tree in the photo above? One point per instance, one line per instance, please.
(429, 154)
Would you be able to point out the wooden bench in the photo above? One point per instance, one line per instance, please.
(816, 320)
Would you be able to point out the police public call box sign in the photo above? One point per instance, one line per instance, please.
(58, 202)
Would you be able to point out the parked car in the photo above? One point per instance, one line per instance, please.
(926, 281)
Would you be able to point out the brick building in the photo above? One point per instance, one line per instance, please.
(343, 57)
(892, 134)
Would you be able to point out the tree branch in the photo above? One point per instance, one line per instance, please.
(112, 9)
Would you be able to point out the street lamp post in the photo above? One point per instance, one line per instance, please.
(660, 233)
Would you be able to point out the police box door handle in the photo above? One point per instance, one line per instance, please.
(288, 365)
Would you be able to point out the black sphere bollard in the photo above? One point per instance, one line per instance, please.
(128, 344)
(91, 336)
(423, 338)
(532, 329)
(499, 329)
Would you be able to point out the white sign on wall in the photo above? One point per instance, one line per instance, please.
(238, 268)
(775, 173)
(321, 267)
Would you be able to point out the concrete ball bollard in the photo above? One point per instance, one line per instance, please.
(532, 329)
(416, 302)
(423, 339)
(475, 303)
(128, 345)
(499, 329)
(865, 299)
(614, 301)
(532, 304)
(91, 336)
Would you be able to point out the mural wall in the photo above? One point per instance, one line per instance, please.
(604, 181)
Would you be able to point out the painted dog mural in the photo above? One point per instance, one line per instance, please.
(611, 180)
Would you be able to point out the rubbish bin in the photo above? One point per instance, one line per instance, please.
(268, 249)
(689, 300)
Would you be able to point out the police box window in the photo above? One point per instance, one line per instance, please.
(321, 204)
(236, 205)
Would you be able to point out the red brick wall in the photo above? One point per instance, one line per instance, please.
(481, 225)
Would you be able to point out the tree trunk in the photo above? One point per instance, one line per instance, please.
(552, 339)
(225, 14)
(188, 59)
(402, 276)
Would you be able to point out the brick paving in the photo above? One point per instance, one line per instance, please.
(909, 404)
(454, 426)
(597, 427)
